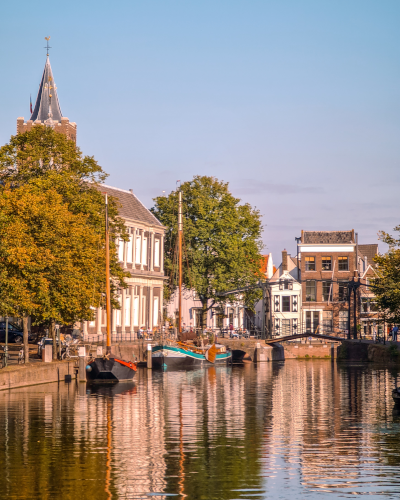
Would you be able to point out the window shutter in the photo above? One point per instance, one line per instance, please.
(276, 303)
(294, 325)
(294, 303)
(277, 324)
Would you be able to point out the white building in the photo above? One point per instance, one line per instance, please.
(143, 257)
(286, 297)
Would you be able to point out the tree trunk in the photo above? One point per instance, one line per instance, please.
(25, 336)
(53, 336)
(204, 315)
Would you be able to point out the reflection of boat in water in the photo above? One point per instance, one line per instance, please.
(110, 390)
(396, 395)
(180, 355)
(106, 369)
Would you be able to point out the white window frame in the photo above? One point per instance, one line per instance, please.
(156, 252)
(144, 251)
(129, 250)
(156, 302)
(138, 252)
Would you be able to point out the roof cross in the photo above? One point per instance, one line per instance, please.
(47, 46)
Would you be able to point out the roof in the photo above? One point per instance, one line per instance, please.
(368, 251)
(47, 105)
(131, 207)
(327, 237)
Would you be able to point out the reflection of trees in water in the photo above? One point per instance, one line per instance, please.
(217, 417)
(43, 448)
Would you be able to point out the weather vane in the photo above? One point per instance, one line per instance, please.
(47, 47)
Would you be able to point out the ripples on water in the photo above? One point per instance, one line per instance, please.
(307, 429)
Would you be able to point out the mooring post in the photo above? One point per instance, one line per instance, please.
(82, 364)
(149, 356)
(332, 351)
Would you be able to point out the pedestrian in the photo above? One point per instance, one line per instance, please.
(395, 330)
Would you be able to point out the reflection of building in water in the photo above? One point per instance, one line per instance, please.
(319, 416)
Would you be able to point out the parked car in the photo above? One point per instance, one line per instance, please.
(15, 333)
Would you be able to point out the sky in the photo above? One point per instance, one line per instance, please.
(295, 103)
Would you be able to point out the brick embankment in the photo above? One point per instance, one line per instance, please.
(369, 352)
(309, 351)
(35, 373)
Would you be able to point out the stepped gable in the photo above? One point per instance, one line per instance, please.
(368, 251)
(328, 237)
(47, 105)
(131, 207)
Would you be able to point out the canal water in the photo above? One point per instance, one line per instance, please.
(298, 429)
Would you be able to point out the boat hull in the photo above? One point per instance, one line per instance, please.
(180, 359)
(102, 370)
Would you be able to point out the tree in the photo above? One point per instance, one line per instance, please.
(386, 286)
(222, 240)
(52, 221)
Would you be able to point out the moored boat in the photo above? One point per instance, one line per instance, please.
(181, 356)
(107, 369)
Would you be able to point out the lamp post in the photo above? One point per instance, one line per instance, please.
(6, 344)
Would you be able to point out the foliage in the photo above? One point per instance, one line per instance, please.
(386, 286)
(52, 227)
(221, 240)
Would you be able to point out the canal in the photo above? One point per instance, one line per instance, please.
(309, 429)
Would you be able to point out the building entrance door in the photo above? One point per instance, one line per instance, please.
(312, 321)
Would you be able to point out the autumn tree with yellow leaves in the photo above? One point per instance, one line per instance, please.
(52, 252)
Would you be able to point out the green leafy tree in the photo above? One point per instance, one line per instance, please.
(386, 286)
(222, 241)
(52, 212)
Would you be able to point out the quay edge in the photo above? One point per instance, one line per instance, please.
(35, 373)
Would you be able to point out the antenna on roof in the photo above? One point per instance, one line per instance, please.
(47, 46)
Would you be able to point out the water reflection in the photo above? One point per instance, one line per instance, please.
(300, 428)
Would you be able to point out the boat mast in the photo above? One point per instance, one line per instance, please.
(180, 231)
(108, 289)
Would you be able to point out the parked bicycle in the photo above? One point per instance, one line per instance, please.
(70, 350)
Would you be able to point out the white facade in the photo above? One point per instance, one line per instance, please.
(234, 313)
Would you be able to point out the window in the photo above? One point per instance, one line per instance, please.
(91, 323)
(121, 250)
(129, 250)
(327, 263)
(155, 311)
(327, 321)
(310, 263)
(310, 291)
(143, 311)
(326, 290)
(312, 321)
(373, 306)
(342, 290)
(343, 316)
(286, 304)
(127, 311)
(156, 253)
(285, 327)
(137, 250)
(136, 311)
(364, 305)
(118, 312)
(343, 263)
(285, 285)
(144, 252)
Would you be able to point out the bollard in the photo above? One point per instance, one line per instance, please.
(82, 364)
(47, 353)
(149, 356)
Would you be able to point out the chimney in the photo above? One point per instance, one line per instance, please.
(131, 191)
(284, 260)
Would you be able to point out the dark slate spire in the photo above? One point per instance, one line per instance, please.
(47, 108)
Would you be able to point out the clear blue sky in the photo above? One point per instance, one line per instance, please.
(294, 103)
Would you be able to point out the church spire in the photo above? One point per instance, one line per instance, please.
(47, 110)
(47, 106)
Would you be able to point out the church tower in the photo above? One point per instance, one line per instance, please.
(47, 109)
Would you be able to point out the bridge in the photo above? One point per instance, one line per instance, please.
(332, 338)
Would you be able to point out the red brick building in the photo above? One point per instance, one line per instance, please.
(328, 263)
